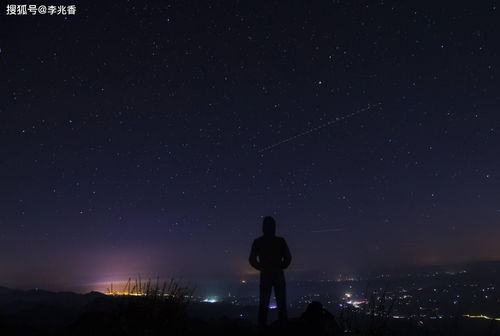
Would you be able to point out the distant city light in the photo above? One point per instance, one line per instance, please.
(481, 317)
(356, 304)
(211, 299)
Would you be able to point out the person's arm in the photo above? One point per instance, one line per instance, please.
(253, 257)
(286, 258)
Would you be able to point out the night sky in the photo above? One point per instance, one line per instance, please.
(150, 137)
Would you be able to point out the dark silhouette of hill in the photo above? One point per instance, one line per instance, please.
(38, 312)
(43, 313)
(33, 310)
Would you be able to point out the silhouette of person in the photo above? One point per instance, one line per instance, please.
(270, 255)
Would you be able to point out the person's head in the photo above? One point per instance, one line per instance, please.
(269, 226)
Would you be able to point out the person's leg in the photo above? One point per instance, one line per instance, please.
(265, 295)
(280, 292)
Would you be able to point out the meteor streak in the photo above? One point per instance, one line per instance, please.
(317, 128)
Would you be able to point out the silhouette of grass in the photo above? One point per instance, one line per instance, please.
(142, 308)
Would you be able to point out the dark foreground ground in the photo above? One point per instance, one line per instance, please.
(47, 313)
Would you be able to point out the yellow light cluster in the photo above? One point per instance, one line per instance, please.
(481, 317)
(125, 293)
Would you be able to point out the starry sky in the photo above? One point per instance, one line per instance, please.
(150, 137)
